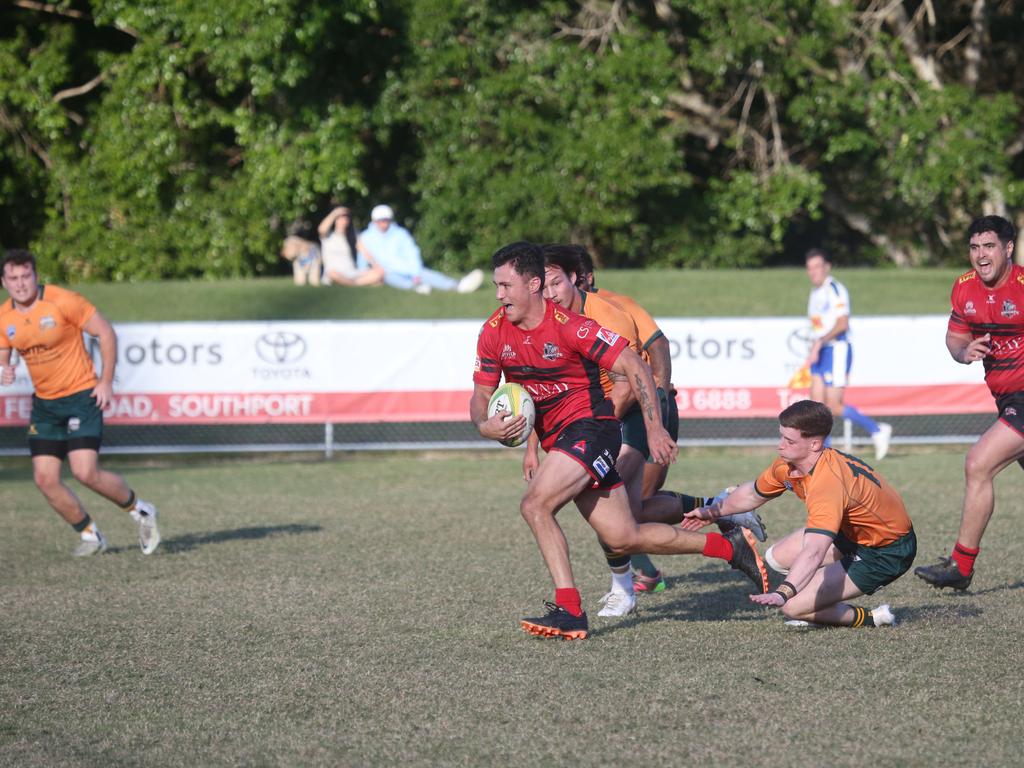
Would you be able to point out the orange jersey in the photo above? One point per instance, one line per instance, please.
(49, 338)
(843, 495)
(614, 319)
(647, 330)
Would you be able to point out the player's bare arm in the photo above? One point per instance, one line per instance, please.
(7, 375)
(100, 327)
(660, 352)
(804, 567)
(495, 427)
(621, 393)
(531, 459)
(663, 448)
(842, 326)
(743, 499)
(966, 349)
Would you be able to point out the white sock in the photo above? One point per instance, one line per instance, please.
(90, 532)
(623, 582)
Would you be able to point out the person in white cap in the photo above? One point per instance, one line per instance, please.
(393, 249)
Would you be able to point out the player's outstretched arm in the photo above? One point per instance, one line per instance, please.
(743, 499)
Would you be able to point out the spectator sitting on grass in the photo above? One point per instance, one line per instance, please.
(338, 243)
(392, 248)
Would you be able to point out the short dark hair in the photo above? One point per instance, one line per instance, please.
(812, 418)
(20, 257)
(1004, 229)
(817, 253)
(526, 258)
(587, 267)
(565, 257)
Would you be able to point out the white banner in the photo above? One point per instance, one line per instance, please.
(422, 370)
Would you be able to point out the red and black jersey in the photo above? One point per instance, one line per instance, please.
(559, 363)
(978, 309)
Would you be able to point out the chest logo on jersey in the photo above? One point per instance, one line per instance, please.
(584, 330)
(969, 308)
(788, 485)
(561, 317)
(47, 322)
(551, 352)
(1009, 309)
(991, 299)
(608, 337)
(508, 353)
(11, 330)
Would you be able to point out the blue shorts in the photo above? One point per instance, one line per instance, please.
(834, 363)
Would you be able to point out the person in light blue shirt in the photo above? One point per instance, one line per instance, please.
(394, 250)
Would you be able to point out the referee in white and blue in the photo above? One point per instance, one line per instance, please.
(831, 353)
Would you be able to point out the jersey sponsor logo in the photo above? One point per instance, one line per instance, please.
(601, 466)
(580, 446)
(32, 429)
(968, 276)
(1009, 309)
(608, 337)
(584, 330)
(561, 317)
(507, 353)
(551, 352)
(991, 299)
(969, 308)
(74, 424)
(1011, 411)
(1020, 278)
(528, 341)
(47, 322)
(11, 330)
(496, 320)
(541, 391)
(476, 364)
(788, 485)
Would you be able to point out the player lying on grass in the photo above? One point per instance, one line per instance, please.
(557, 356)
(858, 536)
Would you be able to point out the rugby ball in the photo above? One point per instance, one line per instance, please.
(513, 398)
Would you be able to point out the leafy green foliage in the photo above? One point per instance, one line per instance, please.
(159, 138)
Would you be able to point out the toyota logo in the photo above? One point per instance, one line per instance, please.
(280, 347)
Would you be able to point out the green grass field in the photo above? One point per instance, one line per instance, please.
(665, 293)
(363, 612)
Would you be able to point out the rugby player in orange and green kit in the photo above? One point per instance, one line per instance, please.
(44, 324)
(858, 536)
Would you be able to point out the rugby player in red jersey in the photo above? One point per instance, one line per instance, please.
(987, 324)
(557, 357)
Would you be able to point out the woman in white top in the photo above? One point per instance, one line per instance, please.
(338, 244)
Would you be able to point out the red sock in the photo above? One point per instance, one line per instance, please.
(964, 558)
(569, 599)
(716, 545)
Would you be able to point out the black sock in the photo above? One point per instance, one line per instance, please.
(82, 524)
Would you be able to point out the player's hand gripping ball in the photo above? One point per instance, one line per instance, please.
(517, 401)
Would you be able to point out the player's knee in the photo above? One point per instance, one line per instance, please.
(87, 476)
(46, 481)
(976, 467)
(533, 510)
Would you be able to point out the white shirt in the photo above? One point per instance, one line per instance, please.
(337, 255)
(825, 306)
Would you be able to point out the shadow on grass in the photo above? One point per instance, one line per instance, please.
(727, 600)
(190, 541)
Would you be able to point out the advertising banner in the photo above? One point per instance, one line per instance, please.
(402, 371)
